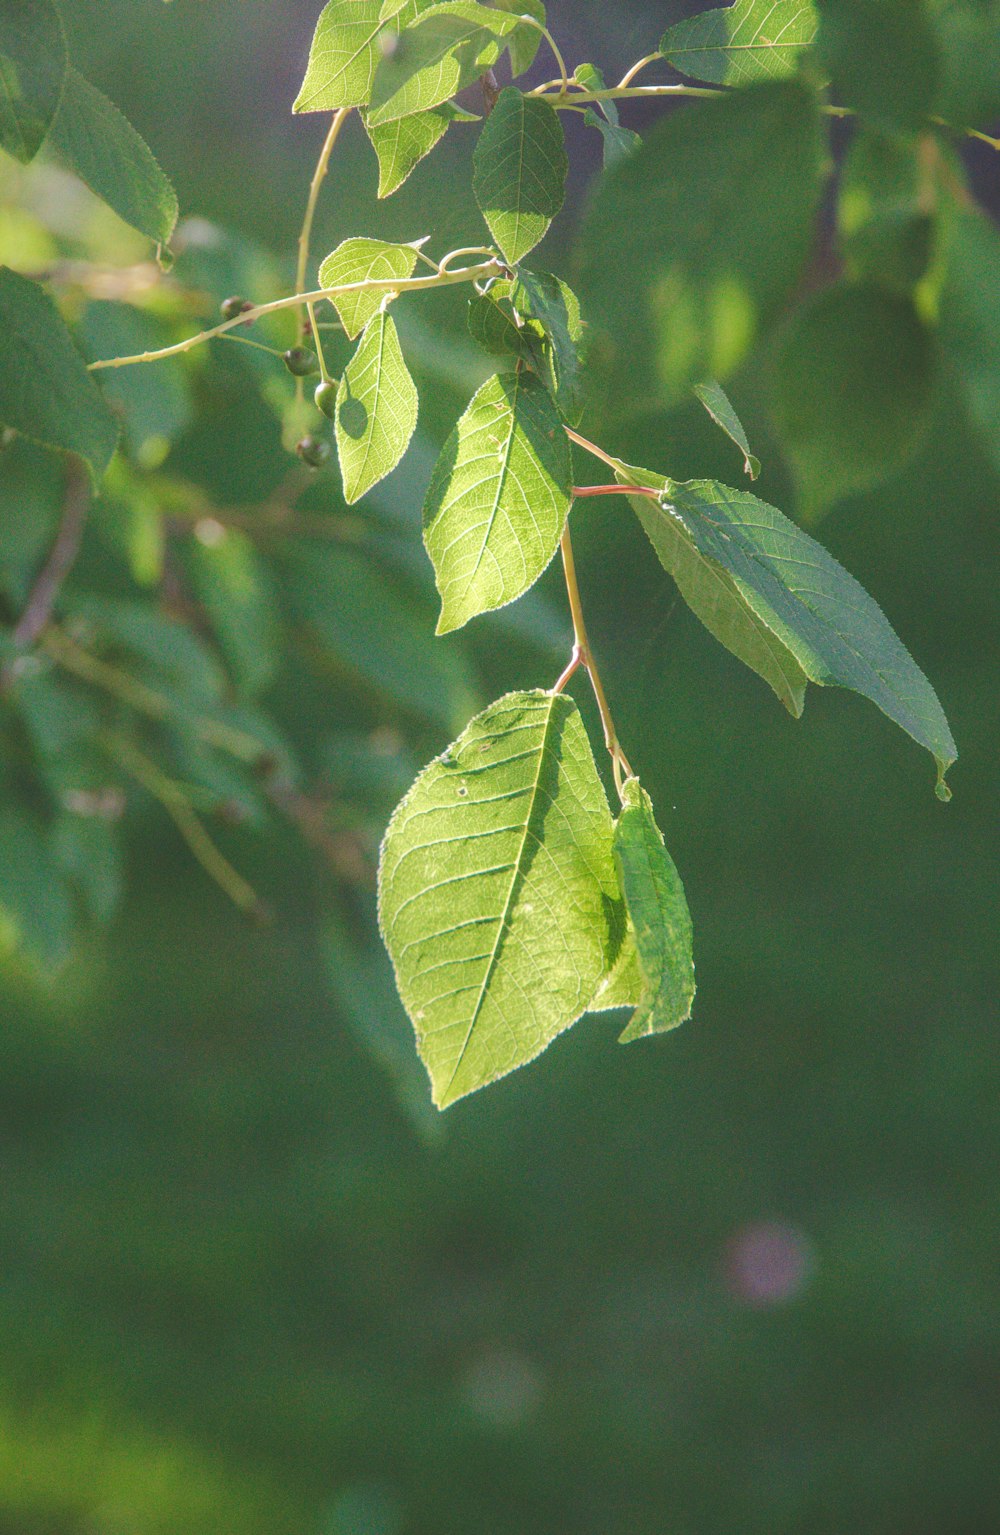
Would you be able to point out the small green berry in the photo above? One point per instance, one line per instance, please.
(232, 308)
(313, 451)
(326, 397)
(300, 361)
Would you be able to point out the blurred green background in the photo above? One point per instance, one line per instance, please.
(743, 1278)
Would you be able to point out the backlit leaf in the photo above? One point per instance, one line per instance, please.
(498, 498)
(361, 260)
(520, 168)
(742, 43)
(659, 917)
(343, 57)
(495, 891)
(45, 390)
(32, 69)
(556, 309)
(376, 409)
(402, 143)
(97, 142)
(445, 49)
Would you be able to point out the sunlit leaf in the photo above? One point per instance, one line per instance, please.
(743, 43)
(495, 889)
(343, 57)
(402, 143)
(446, 48)
(361, 260)
(659, 918)
(498, 498)
(520, 168)
(376, 409)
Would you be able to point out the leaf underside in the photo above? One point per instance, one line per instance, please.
(497, 892)
(520, 170)
(360, 260)
(660, 923)
(743, 43)
(376, 409)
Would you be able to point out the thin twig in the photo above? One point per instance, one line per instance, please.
(62, 556)
(591, 447)
(441, 279)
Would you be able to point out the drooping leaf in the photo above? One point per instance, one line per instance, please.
(45, 390)
(885, 210)
(32, 70)
(820, 614)
(498, 498)
(495, 889)
(520, 169)
(715, 597)
(369, 628)
(882, 57)
(970, 319)
(497, 327)
(446, 48)
(362, 260)
(343, 57)
(659, 916)
(556, 309)
(97, 142)
(376, 409)
(743, 43)
(694, 242)
(853, 389)
(619, 142)
(716, 402)
(402, 143)
(234, 585)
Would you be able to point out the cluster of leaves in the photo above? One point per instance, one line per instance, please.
(146, 640)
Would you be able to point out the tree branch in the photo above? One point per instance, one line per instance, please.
(62, 556)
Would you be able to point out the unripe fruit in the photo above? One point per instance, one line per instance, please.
(232, 308)
(300, 361)
(326, 397)
(313, 451)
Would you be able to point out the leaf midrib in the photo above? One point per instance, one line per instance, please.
(508, 903)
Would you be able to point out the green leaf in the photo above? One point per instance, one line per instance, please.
(343, 57)
(520, 169)
(234, 586)
(370, 628)
(525, 41)
(376, 409)
(716, 402)
(556, 308)
(498, 498)
(448, 47)
(970, 319)
(499, 330)
(104, 150)
(401, 144)
(46, 392)
(32, 69)
(715, 597)
(154, 402)
(883, 59)
(496, 887)
(36, 915)
(659, 916)
(362, 260)
(743, 43)
(884, 211)
(619, 142)
(853, 390)
(88, 850)
(696, 240)
(828, 622)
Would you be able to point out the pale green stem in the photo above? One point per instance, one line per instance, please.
(442, 278)
(629, 76)
(556, 54)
